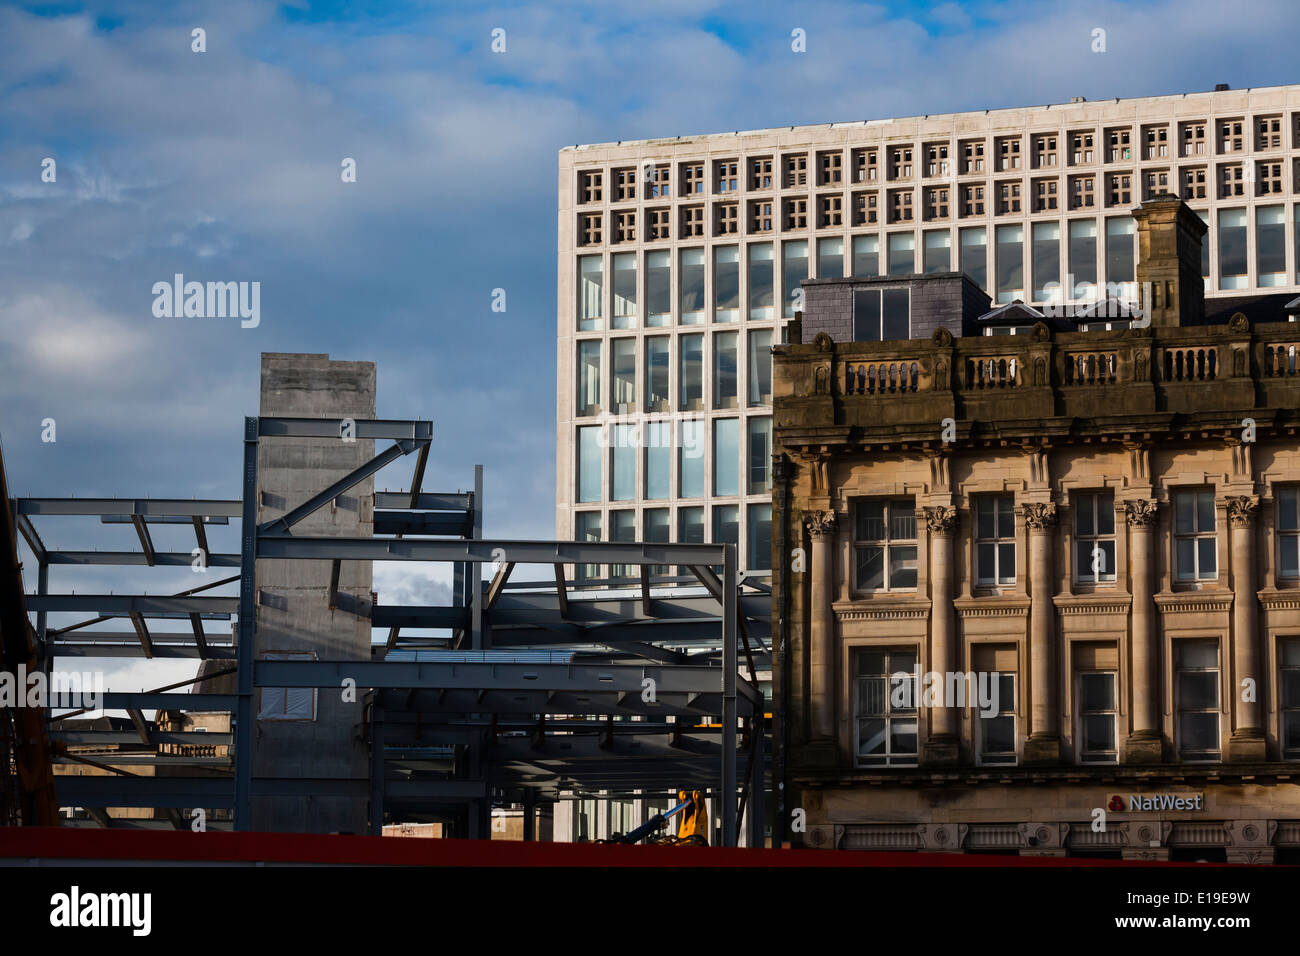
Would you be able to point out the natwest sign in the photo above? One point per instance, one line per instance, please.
(1156, 802)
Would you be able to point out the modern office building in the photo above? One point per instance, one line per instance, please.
(681, 259)
(1050, 600)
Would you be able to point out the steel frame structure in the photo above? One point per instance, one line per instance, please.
(473, 715)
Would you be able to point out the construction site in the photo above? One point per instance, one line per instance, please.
(314, 706)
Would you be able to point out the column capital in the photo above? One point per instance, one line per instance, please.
(819, 522)
(1242, 510)
(1141, 512)
(941, 520)
(1039, 516)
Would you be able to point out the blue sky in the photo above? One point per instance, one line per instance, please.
(225, 166)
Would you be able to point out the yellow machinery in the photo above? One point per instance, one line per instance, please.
(693, 830)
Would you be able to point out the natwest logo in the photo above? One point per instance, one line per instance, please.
(1156, 802)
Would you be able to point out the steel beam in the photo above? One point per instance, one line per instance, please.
(481, 550)
(104, 738)
(461, 501)
(144, 507)
(730, 665)
(378, 429)
(148, 605)
(142, 632)
(146, 542)
(243, 702)
(422, 522)
(148, 700)
(160, 651)
(33, 539)
(168, 559)
(382, 615)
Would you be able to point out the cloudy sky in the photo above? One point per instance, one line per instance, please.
(225, 165)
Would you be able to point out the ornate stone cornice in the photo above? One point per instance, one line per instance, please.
(1039, 516)
(819, 522)
(1141, 512)
(1242, 509)
(941, 520)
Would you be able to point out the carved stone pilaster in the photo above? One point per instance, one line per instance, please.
(941, 520)
(1142, 512)
(1242, 510)
(819, 522)
(1039, 516)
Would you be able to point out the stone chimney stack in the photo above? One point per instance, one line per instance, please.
(1169, 262)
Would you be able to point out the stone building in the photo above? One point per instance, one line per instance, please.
(1036, 571)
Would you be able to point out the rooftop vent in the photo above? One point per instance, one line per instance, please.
(1078, 99)
(1220, 87)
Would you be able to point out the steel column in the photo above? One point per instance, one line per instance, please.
(247, 624)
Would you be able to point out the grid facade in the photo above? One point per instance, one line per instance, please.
(680, 259)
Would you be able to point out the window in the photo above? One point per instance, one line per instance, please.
(591, 293)
(726, 381)
(726, 283)
(1193, 138)
(659, 302)
(589, 229)
(901, 249)
(1098, 715)
(972, 200)
(761, 280)
(1094, 537)
(760, 367)
(760, 456)
(1230, 136)
(974, 255)
(830, 258)
(865, 208)
(1008, 198)
(1288, 531)
(866, 255)
(1010, 263)
(590, 186)
(1195, 541)
(1197, 696)
(1230, 180)
(1157, 141)
(1232, 248)
(1268, 178)
(760, 215)
(725, 176)
(1155, 181)
(794, 271)
(656, 529)
(796, 213)
(726, 457)
(623, 375)
(759, 537)
(998, 730)
(830, 211)
(692, 222)
(937, 251)
(995, 540)
(936, 202)
(1268, 132)
(623, 467)
(830, 169)
(900, 162)
(690, 460)
(885, 711)
(900, 205)
(691, 372)
(796, 170)
(589, 463)
(1121, 145)
(1080, 149)
(589, 377)
(1045, 251)
(656, 374)
(625, 226)
(1008, 153)
(865, 165)
(881, 315)
(1083, 192)
(725, 218)
(691, 276)
(659, 223)
(1120, 266)
(625, 290)
(1194, 183)
(936, 159)
(1119, 189)
(884, 545)
(1045, 195)
(760, 173)
(658, 461)
(1270, 245)
(692, 179)
(726, 527)
(690, 528)
(624, 184)
(287, 703)
(657, 186)
(1290, 694)
(587, 528)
